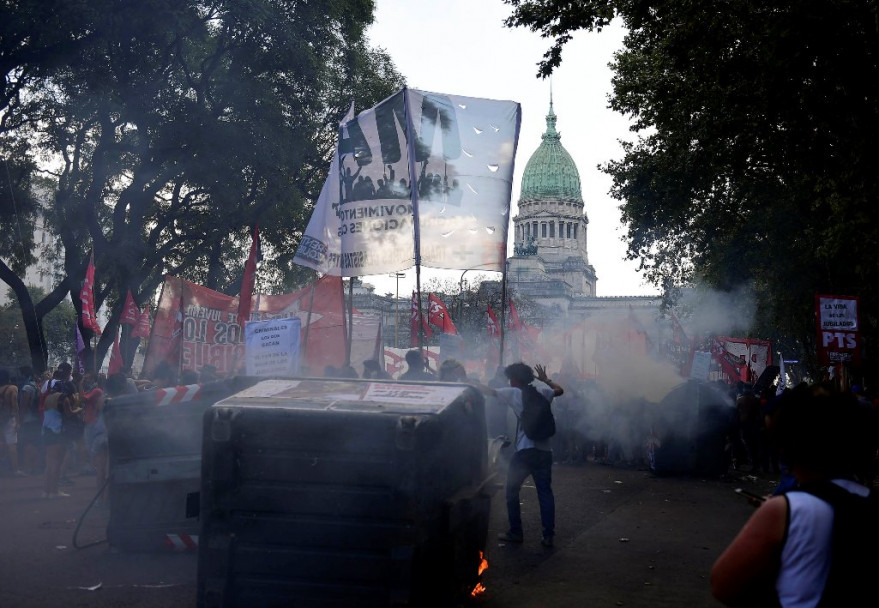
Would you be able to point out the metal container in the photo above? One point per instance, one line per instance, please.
(320, 492)
(155, 441)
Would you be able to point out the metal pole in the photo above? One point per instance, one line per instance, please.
(350, 320)
(503, 309)
(397, 276)
(308, 325)
(416, 222)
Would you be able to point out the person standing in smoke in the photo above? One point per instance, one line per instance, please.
(416, 369)
(532, 458)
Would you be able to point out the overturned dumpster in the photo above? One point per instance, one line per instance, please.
(155, 464)
(321, 492)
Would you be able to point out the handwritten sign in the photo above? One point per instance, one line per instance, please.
(272, 347)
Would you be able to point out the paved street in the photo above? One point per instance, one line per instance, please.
(625, 538)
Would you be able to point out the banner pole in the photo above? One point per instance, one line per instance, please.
(416, 221)
(350, 321)
(308, 325)
(503, 321)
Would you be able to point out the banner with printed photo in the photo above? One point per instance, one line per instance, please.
(459, 158)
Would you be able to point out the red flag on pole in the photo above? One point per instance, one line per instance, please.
(249, 279)
(142, 329)
(115, 357)
(438, 314)
(494, 329)
(130, 312)
(414, 324)
(87, 298)
(513, 323)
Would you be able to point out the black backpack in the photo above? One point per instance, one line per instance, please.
(537, 420)
(854, 560)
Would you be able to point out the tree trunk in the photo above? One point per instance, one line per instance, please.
(33, 323)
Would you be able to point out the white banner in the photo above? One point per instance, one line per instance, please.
(272, 347)
(368, 217)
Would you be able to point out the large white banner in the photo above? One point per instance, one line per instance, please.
(368, 218)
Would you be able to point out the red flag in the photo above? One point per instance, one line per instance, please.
(513, 323)
(115, 357)
(247, 282)
(494, 329)
(413, 324)
(130, 312)
(142, 329)
(87, 298)
(438, 314)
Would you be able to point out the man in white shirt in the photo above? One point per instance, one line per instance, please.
(532, 458)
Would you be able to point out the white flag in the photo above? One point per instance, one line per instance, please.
(460, 155)
(782, 377)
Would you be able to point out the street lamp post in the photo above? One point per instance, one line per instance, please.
(398, 276)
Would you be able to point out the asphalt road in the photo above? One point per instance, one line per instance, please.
(624, 538)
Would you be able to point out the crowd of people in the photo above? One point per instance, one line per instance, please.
(53, 425)
(822, 441)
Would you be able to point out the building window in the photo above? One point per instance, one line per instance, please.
(534, 229)
(569, 229)
(543, 229)
(575, 231)
(552, 230)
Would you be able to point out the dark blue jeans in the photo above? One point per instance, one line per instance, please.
(537, 464)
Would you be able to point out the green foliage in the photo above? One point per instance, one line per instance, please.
(755, 161)
(58, 329)
(172, 128)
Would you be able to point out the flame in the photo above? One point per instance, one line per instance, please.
(483, 563)
(483, 566)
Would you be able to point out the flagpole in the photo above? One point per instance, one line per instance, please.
(416, 222)
(308, 324)
(503, 310)
(350, 321)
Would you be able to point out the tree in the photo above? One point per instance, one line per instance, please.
(755, 162)
(58, 330)
(177, 126)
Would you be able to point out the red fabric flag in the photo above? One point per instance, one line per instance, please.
(87, 298)
(130, 312)
(513, 323)
(115, 365)
(438, 314)
(247, 282)
(221, 345)
(142, 329)
(494, 329)
(413, 324)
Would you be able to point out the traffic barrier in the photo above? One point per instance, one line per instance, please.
(155, 464)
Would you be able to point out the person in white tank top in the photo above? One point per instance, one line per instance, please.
(781, 557)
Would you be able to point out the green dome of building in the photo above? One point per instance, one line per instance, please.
(551, 172)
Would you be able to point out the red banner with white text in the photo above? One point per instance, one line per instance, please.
(196, 326)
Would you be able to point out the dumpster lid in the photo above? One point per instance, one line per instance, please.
(348, 395)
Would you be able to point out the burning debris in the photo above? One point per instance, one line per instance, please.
(479, 589)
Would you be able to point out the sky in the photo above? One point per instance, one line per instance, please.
(461, 47)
